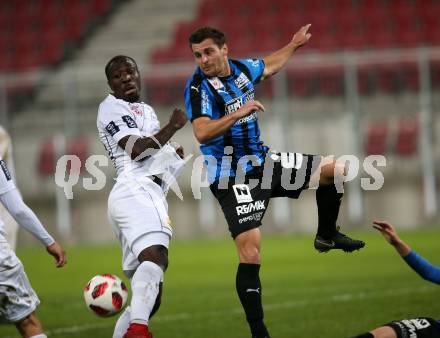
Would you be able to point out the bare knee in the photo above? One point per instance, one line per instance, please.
(29, 326)
(248, 246)
(384, 332)
(249, 254)
(332, 172)
(157, 254)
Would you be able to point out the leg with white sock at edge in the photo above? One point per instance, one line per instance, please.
(248, 283)
(145, 286)
(30, 326)
(124, 319)
(122, 323)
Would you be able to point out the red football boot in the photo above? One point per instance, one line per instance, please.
(137, 331)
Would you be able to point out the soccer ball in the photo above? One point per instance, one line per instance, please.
(105, 295)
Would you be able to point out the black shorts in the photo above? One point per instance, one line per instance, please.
(421, 327)
(244, 199)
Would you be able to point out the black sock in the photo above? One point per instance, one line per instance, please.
(365, 335)
(249, 291)
(328, 200)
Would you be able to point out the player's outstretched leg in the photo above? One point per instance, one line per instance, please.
(122, 323)
(329, 199)
(145, 287)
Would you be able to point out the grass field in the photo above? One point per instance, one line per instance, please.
(306, 294)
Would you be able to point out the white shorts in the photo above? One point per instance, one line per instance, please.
(17, 298)
(138, 213)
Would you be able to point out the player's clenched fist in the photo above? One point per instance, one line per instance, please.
(178, 118)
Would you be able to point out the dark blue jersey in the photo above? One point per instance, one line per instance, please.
(215, 97)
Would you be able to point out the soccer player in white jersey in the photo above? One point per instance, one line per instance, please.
(11, 227)
(18, 300)
(137, 208)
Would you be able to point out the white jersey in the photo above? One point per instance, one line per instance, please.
(22, 214)
(118, 118)
(6, 184)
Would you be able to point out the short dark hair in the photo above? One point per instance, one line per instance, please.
(117, 60)
(204, 33)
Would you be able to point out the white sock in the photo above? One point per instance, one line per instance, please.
(145, 288)
(122, 323)
(41, 335)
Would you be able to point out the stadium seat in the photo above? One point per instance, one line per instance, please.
(407, 137)
(301, 83)
(46, 165)
(331, 81)
(387, 78)
(79, 146)
(376, 138)
(100, 7)
(46, 159)
(42, 29)
(435, 74)
(336, 25)
(365, 80)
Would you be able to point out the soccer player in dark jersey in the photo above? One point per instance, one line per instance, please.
(421, 327)
(244, 174)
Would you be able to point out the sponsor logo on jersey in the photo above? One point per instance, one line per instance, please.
(242, 80)
(237, 103)
(254, 63)
(112, 128)
(251, 117)
(129, 121)
(5, 170)
(242, 193)
(254, 217)
(248, 208)
(196, 88)
(413, 325)
(205, 103)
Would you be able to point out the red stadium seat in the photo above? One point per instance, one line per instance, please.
(301, 83)
(331, 81)
(78, 146)
(100, 7)
(435, 74)
(46, 159)
(366, 80)
(77, 20)
(376, 138)
(407, 137)
(387, 78)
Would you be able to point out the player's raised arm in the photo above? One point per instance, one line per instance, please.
(275, 61)
(205, 128)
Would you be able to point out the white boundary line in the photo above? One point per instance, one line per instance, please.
(341, 298)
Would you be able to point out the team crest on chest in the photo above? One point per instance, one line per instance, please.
(137, 109)
(216, 83)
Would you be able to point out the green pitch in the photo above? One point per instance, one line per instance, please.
(306, 294)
